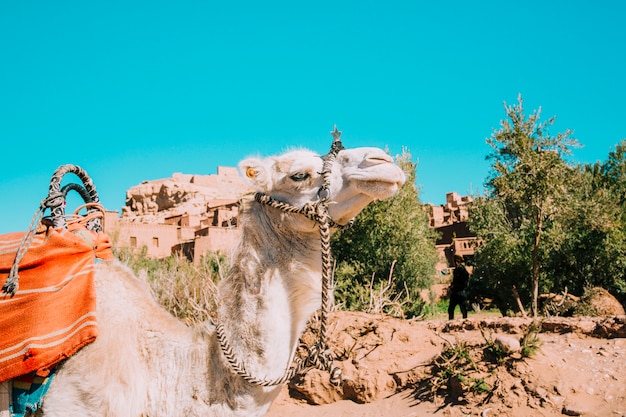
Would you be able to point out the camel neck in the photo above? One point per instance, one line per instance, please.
(271, 290)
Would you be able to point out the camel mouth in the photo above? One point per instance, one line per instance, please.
(398, 182)
(377, 169)
(383, 183)
(380, 189)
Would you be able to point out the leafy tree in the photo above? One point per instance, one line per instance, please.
(529, 185)
(612, 177)
(600, 227)
(389, 242)
(502, 263)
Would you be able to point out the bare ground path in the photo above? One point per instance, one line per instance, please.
(578, 369)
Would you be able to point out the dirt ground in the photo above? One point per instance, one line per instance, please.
(576, 369)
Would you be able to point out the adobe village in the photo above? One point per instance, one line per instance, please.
(486, 365)
(191, 215)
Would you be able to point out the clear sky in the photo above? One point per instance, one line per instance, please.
(137, 90)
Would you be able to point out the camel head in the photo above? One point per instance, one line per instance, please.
(357, 177)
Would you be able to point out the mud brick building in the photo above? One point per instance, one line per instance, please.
(450, 221)
(191, 215)
(185, 214)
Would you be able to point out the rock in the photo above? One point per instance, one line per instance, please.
(508, 344)
(368, 386)
(377, 356)
(595, 302)
(315, 388)
(542, 393)
(611, 327)
(557, 400)
(182, 193)
(573, 410)
(599, 302)
(360, 384)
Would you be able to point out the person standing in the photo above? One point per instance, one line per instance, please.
(457, 292)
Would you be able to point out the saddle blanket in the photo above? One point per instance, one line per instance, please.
(53, 313)
(23, 395)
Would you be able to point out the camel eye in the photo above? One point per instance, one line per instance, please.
(300, 176)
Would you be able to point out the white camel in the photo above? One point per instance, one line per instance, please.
(147, 363)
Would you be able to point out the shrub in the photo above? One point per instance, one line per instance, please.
(187, 291)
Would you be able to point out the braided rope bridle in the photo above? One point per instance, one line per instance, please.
(318, 355)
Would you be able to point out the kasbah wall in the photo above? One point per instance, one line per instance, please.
(192, 215)
(188, 215)
(450, 220)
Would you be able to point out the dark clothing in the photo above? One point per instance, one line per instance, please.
(460, 300)
(458, 296)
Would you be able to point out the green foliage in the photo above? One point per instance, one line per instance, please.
(528, 190)
(612, 175)
(530, 342)
(455, 363)
(452, 361)
(437, 309)
(583, 240)
(480, 386)
(502, 261)
(137, 260)
(608, 219)
(592, 251)
(390, 242)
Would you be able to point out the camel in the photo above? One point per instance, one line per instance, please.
(145, 362)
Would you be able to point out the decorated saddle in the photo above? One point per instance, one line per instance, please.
(53, 313)
(48, 298)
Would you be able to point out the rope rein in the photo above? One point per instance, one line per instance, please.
(315, 359)
(310, 210)
(318, 355)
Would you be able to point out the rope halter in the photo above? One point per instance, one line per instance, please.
(318, 355)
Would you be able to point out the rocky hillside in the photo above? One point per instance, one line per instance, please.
(155, 200)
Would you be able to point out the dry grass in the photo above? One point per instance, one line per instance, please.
(382, 299)
(188, 291)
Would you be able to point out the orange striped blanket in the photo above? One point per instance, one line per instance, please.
(53, 313)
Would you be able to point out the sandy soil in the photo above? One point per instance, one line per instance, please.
(575, 371)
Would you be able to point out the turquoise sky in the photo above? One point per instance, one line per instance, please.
(137, 90)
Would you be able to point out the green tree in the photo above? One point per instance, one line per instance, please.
(501, 264)
(529, 186)
(390, 239)
(605, 224)
(612, 177)
(582, 246)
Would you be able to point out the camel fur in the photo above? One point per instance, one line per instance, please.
(147, 363)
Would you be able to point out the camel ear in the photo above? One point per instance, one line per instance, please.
(257, 173)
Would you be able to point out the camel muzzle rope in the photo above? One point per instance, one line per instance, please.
(318, 355)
